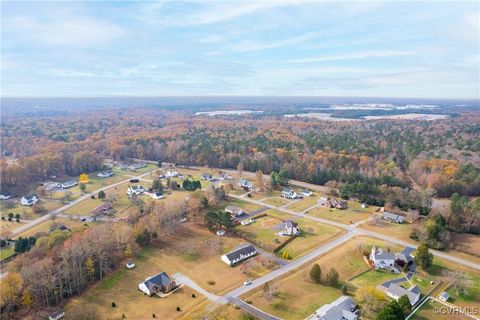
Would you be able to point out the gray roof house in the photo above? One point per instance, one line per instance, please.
(393, 217)
(29, 200)
(444, 296)
(405, 255)
(159, 283)
(234, 211)
(395, 291)
(57, 315)
(69, 184)
(245, 183)
(344, 308)
(382, 259)
(239, 254)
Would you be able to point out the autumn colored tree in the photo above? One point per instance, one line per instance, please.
(83, 178)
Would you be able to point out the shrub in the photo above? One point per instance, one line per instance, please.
(113, 304)
(178, 309)
(193, 295)
(153, 315)
(211, 282)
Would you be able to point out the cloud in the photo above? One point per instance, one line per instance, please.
(355, 56)
(65, 31)
(174, 13)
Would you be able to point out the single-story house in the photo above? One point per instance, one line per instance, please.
(51, 185)
(245, 184)
(221, 233)
(29, 200)
(133, 166)
(344, 308)
(239, 254)
(156, 195)
(105, 174)
(290, 228)
(171, 174)
(56, 315)
(393, 217)
(130, 264)
(306, 193)
(224, 176)
(69, 184)
(5, 196)
(382, 259)
(206, 176)
(135, 190)
(159, 283)
(234, 211)
(288, 193)
(444, 296)
(395, 291)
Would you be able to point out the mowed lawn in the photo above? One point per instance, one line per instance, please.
(7, 226)
(426, 312)
(6, 252)
(313, 235)
(298, 297)
(246, 206)
(26, 212)
(276, 201)
(347, 216)
(303, 204)
(400, 231)
(262, 232)
(373, 278)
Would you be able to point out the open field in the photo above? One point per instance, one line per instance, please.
(42, 207)
(467, 243)
(304, 203)
(84, 207)
(45, 226)
(215, 311)
(265, 194)
(7, 226)
(278, 202)
(400, 231)
(6, 252)
(312, 235)
(426, 312)
(344, 216)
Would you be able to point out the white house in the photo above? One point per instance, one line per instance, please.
(246, 222)
(245, 184)
(239, 254)
(393, 217)
(221, 233)
(69, 184)
(5, 196)
(130, 264)
(156, 195)
(382, 259)
(171, 174)
(290, 228)
(207, 177)
(105, 174)
(29, 200)
(135, 190)
(289, 193)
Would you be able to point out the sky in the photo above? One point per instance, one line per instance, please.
(269, 48)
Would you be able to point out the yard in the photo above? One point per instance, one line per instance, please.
(426, 312)
(246, 206)
(347, 216)
(374, 278)
(6, 252)
(303, 204)
(42, 207)
(313, 235)
(398, 230)
(276, 201)
(298, 297)
(45, 226)
(262, 232)
(7, 226)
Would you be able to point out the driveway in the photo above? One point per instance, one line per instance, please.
(183, 279)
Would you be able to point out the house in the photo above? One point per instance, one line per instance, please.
(171, 174)
(246, 222)
(306, 193)
(49, 186)
(239, 254)
(5, 196)
(444, 296)
(221, 233)
(56, 315)
(234, 211)
(393, 217)
(364, 205)
(156, 195)
(103, 209)
(382, 259)
(160, 283)
(206, 177)
(288, 193)
(395, 291)
(69, 184)
(224, 176)
(130, 264)
(105, 174)
(135, 190)
(243, 183)
(405, 255)
(342, 205)
(29, 200)
(344, 308)
(290, 229)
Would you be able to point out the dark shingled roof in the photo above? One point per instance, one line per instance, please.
(245, 250)
(161, 279)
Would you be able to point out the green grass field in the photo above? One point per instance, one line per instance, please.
(374, 278)
(429, 311)
(6, 252)
(344, 216)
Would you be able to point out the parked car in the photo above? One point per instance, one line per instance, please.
(134, 180)
(247, 282)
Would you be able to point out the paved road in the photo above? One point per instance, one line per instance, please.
(252, 310)
(363, 232)
(47, 216)
(290, 266)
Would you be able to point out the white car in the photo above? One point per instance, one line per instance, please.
(247, 282)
